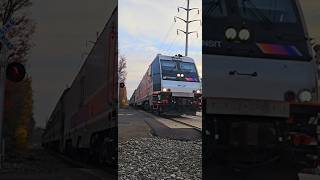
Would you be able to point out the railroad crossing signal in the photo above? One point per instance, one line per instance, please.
(122, 85)
(15, 72)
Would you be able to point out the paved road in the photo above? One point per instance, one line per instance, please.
(46, 166)
(67, 173)
(131, 123)
(138, 123)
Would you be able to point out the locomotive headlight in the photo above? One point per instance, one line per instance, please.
(198, 91)
(178, 75)
(231, 33)
(244, 34)
(305, 96)
(164, 89)
(182, 75)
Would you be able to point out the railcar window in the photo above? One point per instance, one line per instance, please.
(214, 8)
(82, 89)
(272, 10)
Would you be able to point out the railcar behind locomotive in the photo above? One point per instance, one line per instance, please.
(171, 85)
(84, 120)
(260, 82)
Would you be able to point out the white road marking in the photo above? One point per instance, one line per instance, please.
(122, 114)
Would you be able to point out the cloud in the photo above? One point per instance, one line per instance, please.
(153, 19)
(147, 28)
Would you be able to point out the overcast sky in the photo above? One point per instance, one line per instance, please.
(60, 38)
(146, 27)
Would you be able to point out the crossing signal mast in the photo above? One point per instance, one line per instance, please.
(187, 22)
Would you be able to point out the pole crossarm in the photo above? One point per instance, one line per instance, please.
(196, 21)
(181, 31)
(182, 8)
(188, 9)
(193, 32)
(186, 32)
(195, 9)
(177, 17)
(187, 22)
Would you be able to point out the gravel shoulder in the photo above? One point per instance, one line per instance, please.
(160, 158)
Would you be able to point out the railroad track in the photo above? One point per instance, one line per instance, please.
(194, 122)
(188, 121)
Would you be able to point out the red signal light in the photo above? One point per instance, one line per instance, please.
(15, 72)
(290, 96)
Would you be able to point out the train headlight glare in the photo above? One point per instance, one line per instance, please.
(164, 90)
(244, 34)
(198, 91)
(305, 96)
(231, 33)
(178, 75)
(182, 75)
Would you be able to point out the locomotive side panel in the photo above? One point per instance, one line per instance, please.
(144, 90)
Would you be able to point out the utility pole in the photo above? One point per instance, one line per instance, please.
(3, 63)
(6, 45)
(187, 22)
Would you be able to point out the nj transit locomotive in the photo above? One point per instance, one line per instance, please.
(84, 121)
(260, 82)
(171, 85)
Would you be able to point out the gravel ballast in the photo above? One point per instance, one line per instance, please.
(159, 158)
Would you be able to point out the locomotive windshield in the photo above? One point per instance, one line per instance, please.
(274, 11)
(215, 8)
(179, 71)
(255, 28)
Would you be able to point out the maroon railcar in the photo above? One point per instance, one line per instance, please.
(88, 126)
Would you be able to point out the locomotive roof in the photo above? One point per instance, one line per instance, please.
(180, 58)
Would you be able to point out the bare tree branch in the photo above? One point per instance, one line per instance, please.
(122, 69)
